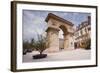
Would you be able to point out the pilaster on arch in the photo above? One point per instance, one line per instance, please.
(56, 23)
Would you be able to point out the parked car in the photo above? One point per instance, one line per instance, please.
(29, 50)
(24, 51)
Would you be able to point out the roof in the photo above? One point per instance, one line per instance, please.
(82, 25)
(50, 15)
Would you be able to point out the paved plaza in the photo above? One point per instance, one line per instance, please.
(78, 54)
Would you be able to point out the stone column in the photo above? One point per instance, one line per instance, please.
(68, 42)
(65, 41)
(52, 39)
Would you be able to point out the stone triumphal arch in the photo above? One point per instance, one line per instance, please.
(55, 23)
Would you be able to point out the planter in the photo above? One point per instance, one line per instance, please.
(39, 56)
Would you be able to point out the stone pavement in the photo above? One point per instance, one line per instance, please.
(78, 54)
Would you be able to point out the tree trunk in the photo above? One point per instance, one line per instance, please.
(41, 52)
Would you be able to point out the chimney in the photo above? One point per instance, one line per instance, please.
(89, 20)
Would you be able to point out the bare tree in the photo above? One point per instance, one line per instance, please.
(40, 44)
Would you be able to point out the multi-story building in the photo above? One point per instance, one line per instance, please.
(82, 33)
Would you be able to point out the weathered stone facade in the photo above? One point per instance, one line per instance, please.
(56, 23)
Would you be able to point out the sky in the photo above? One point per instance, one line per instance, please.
(33, 21)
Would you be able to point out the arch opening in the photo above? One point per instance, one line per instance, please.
(61, 40)
(62, 37)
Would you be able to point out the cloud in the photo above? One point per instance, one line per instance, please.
(32, 25)
(34, 21)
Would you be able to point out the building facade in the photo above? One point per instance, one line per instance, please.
(73, 37)
(82, 33)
